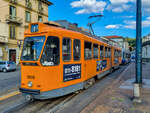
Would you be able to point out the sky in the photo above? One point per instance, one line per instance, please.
(119, 16)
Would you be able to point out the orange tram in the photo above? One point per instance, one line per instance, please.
(56, 61)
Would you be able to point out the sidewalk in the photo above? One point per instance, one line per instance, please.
(117, 98)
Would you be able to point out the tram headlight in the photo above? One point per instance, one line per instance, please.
(30, 84)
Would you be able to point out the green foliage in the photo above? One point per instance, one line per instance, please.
(131, 41)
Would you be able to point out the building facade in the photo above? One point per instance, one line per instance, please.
(146, 38)
(14, 19)
(121, 41)
(146, 47)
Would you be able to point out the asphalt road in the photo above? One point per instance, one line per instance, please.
(9, 80)
(74, 105)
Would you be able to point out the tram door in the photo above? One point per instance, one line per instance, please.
(88, 59)
(71, 70)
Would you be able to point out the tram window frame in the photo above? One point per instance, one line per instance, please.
(95, 55)
(101, 51)
(89, 54)
(52, 47)
(75, 54)
(70, 49)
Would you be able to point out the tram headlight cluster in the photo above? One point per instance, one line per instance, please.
(30, 84)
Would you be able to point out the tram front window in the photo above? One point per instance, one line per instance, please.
(50, 56)
(32, 48)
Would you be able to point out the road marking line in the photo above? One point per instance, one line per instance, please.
(9, 95)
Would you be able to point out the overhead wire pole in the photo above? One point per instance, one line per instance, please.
(138, 80)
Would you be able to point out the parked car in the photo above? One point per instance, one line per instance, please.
(7, 66)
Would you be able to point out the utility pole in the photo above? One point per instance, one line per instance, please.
(138, 80)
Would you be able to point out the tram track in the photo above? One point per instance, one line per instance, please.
(51, 105)
(39, 105)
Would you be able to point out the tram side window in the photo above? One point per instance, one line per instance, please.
(76, 50)
(66, 49)
(106, 52)
(115, 53)
(101, 52)
(87, 50)
(50, 56)
(109, 52)
(119, 53)
(95, 51)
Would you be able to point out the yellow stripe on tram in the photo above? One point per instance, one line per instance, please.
(9, 95)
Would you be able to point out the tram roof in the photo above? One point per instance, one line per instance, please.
(45, 27)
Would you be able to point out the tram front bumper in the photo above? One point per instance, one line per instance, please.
(29, 91)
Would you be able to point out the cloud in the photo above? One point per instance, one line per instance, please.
(127, 16)
(89, 6)
(119, 5)
(148, 18)
(125, 5)
(132, 24)
(112, 26)
(118, 2)
(146, 6)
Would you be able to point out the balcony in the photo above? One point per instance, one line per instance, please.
(28, 5)
(3, 39)
(13, 1)
(41, 10)
(13, 19)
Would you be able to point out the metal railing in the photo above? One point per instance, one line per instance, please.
(29, 5)
(41, 9)
(14, 19)
(13, 1)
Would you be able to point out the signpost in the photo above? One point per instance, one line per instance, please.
(138, 80)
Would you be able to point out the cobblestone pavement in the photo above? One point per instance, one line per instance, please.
(117, 98)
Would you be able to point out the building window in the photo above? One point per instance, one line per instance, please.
(87, 50)
(12, 32)
(28, 4)
(40, 19)
(66, 49)
(12, 11)
(40, 5)
(28, 16)
(76, 50)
